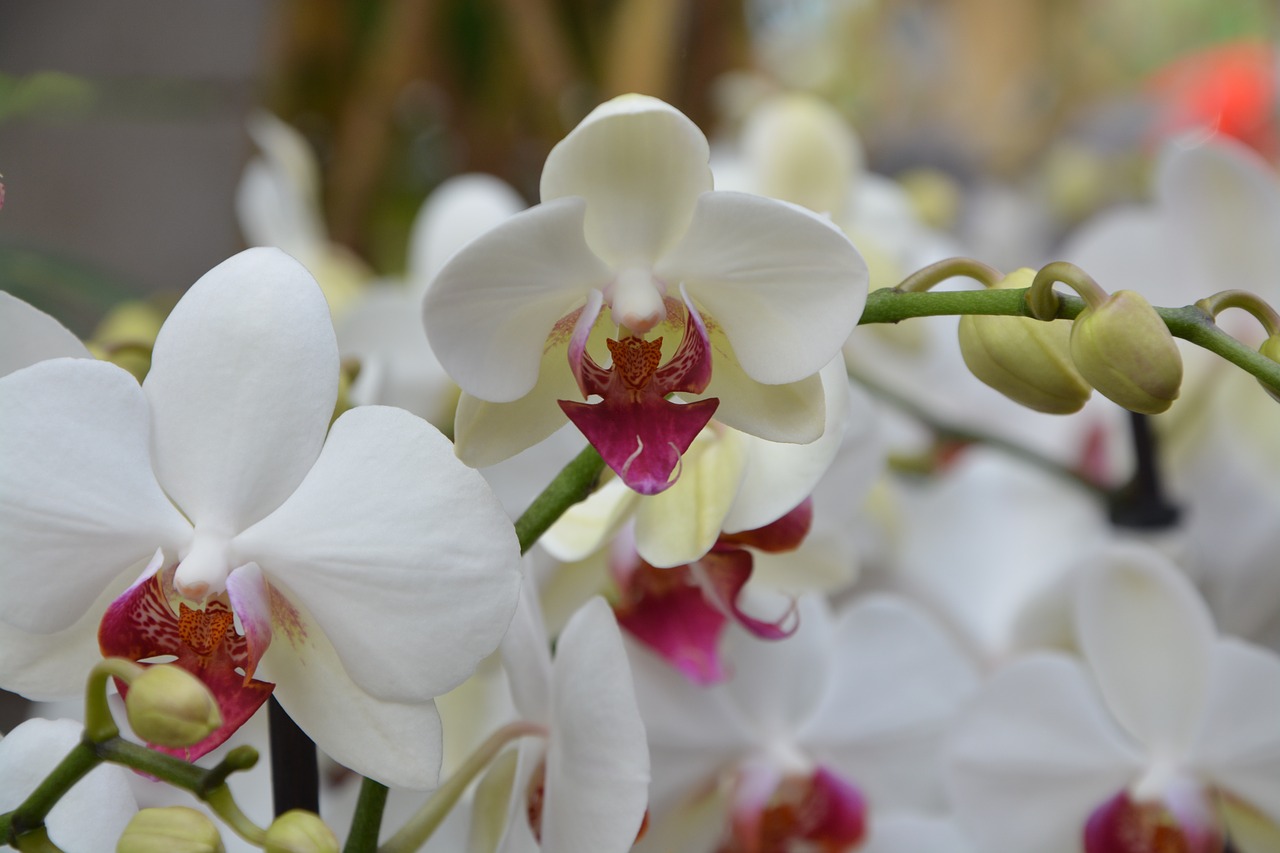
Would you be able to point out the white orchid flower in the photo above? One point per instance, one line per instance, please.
(812, 737)
(584, 789)
(717, 296)
(1131, 745)
(93, 814)
(382, 327)
(363, 573)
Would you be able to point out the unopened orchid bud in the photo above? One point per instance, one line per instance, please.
(300, 831)
(1029, 361)
(171, 707)
(1271, 349)
(1123, 348)
(175, 829)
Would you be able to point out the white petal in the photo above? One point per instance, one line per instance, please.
(1223, 201)
(488, 433)
(243, 380)
(1133, 244)
(28, 335)
(786, 287)
(988, 546)
(400, 552)
(526, 657)
(778, 685)
(900, 833)
(278, 201)
(694, 732)
(46, 667)
(639, 164)
(597, 781)
(586, 527)
(383, 329)
(1238, 747)
(789, 413)
(896, 686)
(79, 503)
(1148, 637)
(93, 814)
(780, 476)
(678, 526)
(520, 479)
(489, 312)
(1033, 756)
(397, 744)
(459, 210)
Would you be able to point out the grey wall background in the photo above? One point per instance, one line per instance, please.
(139, 182)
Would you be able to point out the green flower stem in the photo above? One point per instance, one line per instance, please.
(573, 484)
(1043, 300)
(926, 278)
(1189, 323)
(37, 841)
(99, 725)
(426, 820)
(23, 827)
(209, 785)
(1246, 301)
(368, 818)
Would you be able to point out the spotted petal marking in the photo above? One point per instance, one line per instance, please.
(142, 624)
(639, 432)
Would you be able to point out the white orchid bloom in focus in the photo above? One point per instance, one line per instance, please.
(1132, 748)
(731, 300)
(363, 573)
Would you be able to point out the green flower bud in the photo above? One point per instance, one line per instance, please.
(1125, 350)
(300, 831)
(175, 829)
(171, 707)
(1027, 360)
(1271, 349)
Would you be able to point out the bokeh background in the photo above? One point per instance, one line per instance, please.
(122, 125)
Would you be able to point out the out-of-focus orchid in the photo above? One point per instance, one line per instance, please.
(92, 815)
(811, 738)
(279, 553)
(278, 204)
(382, 328)
(584, 789)
(990, 545)
(1129, 749)
(716, 296)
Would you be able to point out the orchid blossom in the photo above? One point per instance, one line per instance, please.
(363, 573)
(1132, 748)
(732, 301)
(813, 736)
(583, 789)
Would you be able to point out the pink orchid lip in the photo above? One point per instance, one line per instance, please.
(142, 624)
(640, 433)
(774, 813)
(1182, 822)
(680, 613)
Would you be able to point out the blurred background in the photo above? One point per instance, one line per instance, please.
(123, 126)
